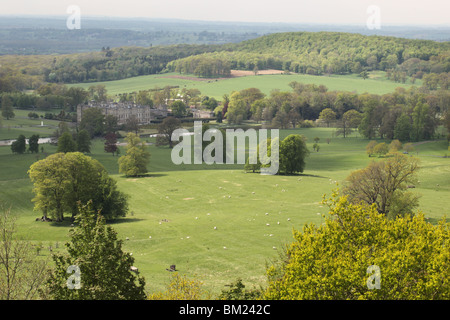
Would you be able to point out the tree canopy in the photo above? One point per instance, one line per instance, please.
(384, 184)
(335, 260)
(63, 179)
(134, 162)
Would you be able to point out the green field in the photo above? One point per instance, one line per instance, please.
(376, 84)
(174, 210)
(21, 124)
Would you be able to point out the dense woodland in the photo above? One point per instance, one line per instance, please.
(319, 53)
(329, 53)
(406, 115)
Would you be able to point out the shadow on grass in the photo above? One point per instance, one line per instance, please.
(147, 175)
(311, 175)
(123, 220)
(68, 222)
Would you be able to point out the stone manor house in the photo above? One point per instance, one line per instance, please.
(123, 111)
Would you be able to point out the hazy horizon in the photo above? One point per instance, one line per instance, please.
(330, 12)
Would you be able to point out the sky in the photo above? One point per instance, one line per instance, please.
(391, 12)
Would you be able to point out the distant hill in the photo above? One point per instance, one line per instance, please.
(317, 53)
(49, 34)
(312, 53)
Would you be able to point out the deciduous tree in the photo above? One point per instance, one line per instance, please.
(327, 115)
(384, 184)
(293, 152)
(134, 162)
(331, 261)
(83, 142)
(7, 107)
(165, 131)
(350, 120)
(63, 179)
(66, 143)
(19, 146)
(33, 143)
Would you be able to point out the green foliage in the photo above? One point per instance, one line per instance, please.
(293, 152)
(7, 107)
(83, 141)
(134, 162)
(104, 267)
(327, 115)
(165, 131)
(63, 179)
(21, 271)
(179, 109)
(237, 291)
(202, 66)
(384, 183)
(350, 119)
(395, 146)
(19, 146)
(181, 288)
(364, 74)
(33, 143)
(66, 143)
(403, 127)
(381, 149)
(330, 261)
(319, 53)
(93, 121)
(422, 121)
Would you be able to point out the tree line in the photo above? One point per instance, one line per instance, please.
(406, 114)
(322, 53)
(314, 53)
(29, 72)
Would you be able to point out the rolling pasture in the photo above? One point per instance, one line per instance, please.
(376, 83)
(217, 223)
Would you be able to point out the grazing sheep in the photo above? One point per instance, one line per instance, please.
(134, 269)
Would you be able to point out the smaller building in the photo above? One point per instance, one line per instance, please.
(202, 114)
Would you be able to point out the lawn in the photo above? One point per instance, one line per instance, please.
(21, 124)
(376, 84)
(175, 209)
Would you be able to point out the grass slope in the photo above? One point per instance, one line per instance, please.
(174, 210)
(376, 84)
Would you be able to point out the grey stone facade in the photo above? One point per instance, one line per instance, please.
(123, 111)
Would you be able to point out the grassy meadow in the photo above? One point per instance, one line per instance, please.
(175, 209)
(21, 124)
(376, 83)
